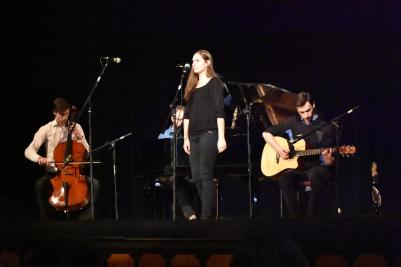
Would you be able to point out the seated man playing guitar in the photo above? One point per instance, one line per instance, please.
(316, 168)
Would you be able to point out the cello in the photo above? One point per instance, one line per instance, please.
(70, 188)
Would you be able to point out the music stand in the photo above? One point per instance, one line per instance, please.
(245, 99)
(112, 145)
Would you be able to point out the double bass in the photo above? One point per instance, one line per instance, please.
(70, 188)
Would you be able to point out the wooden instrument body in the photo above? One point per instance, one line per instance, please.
(70, 188)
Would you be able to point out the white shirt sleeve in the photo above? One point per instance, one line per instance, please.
(31, 152)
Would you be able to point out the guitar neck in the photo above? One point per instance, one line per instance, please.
(311, 152)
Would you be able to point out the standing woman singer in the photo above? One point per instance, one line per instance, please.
(204, 127)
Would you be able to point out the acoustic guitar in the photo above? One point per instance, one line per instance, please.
(272, 165)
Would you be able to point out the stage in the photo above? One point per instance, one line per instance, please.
(147, 241)
(346, 53)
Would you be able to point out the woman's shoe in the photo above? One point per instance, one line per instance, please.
(192, 217)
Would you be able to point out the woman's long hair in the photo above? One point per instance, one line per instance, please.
(193, 77)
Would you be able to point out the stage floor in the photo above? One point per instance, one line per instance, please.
(329, 233)
(206, 243)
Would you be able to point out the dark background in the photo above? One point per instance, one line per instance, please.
(347, 54)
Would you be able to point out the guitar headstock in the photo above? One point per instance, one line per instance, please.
(347, 150)
(373, 170)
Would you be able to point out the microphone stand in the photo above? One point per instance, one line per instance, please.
(332, 121)
(173, 150)
(338, 189)
(247, 112)
(112, 145)
(88, 102)
(174, 163)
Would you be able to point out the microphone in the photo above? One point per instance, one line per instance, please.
(353, 109)
(112, 59)
(181, 65)
(185, 67)
(235, 115)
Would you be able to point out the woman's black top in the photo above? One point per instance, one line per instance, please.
(204, 106)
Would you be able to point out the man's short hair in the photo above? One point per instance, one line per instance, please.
(302, 98)
(61, 105)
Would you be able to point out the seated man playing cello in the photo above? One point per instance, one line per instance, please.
(51, 135)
